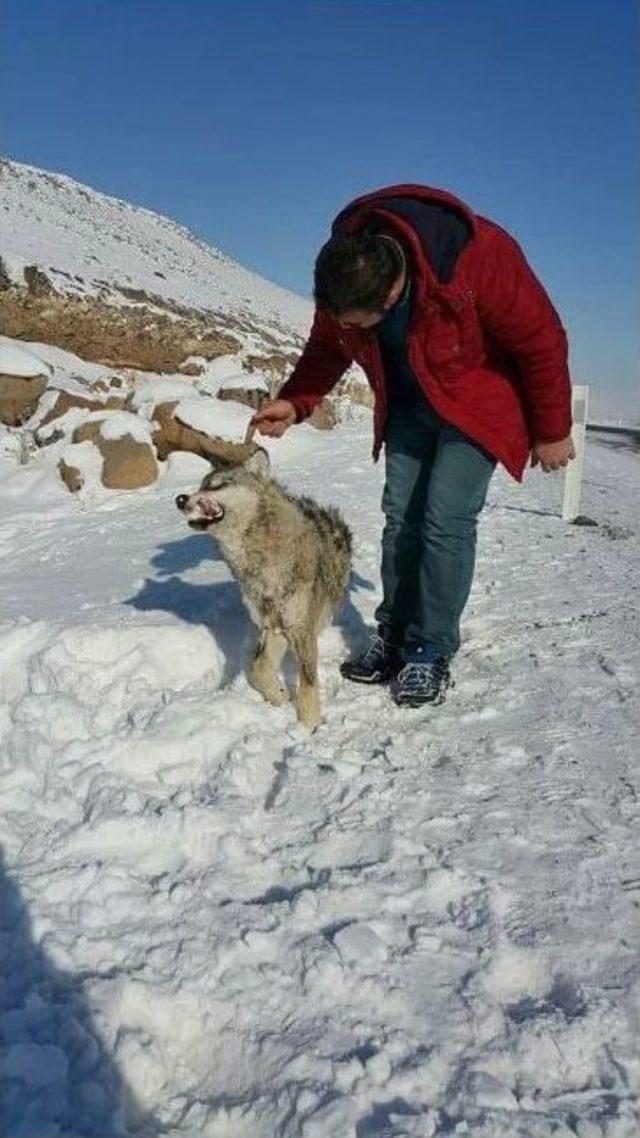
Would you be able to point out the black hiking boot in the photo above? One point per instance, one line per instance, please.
(378, 664)
(424, 678)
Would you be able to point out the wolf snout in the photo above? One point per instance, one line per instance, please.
(181, 501)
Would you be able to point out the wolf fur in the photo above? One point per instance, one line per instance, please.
(291, 558)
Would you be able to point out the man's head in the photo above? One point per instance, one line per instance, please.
(358, 278)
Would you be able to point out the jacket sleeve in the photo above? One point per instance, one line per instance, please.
(516, 311)
(323, 361)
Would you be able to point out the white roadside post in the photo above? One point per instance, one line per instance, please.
(573, 476)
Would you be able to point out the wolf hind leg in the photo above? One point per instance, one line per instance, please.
(267, 658)
(305, 648)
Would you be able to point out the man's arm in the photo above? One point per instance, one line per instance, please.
(516, 311)
(323, 362)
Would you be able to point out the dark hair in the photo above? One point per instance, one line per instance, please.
(355, 272)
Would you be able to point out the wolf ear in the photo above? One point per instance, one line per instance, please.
(258, 463)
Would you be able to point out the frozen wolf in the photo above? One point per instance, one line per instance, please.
(291, 558)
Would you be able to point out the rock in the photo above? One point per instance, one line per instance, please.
(66, 400)
(277, 363)
(19, 397)
(171, 435)
(80, 465)
(190, 368)
(37, 281)
(250, 396)
(324, 417)
(71, 476)
(128, 463)
(88, 432)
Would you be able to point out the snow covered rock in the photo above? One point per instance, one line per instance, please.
(245, 388)
(124, 442)
(67, 399)
(251, 396)
(80, 463)
(71, 475)
(17, 361)
(172, 434)
(190, 367)
(23, 379)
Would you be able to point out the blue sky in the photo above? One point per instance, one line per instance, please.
(252, 123)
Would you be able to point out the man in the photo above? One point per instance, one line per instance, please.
(467, 359)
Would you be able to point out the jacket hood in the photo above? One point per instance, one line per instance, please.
(441, 223)
(411, 191)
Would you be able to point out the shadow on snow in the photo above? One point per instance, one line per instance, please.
(219, 605)
(56, 1077)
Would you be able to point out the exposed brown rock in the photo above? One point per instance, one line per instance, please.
(190, 368)
(66, 400)
(37, 281)
(324, 417)
(144, 338)
(278, 364)
(71, 476)
(88, 432)
(250, 396)
(19, 397)
(128, 463)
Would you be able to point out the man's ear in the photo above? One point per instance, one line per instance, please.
(259, 463)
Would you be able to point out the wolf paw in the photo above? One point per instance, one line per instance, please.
(268, 685)
(275, 695)
(309, 713)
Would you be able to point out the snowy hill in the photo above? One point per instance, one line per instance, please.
(60, 238)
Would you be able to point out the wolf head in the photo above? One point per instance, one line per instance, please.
(228, 491)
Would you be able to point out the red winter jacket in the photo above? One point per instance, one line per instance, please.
(487, 347)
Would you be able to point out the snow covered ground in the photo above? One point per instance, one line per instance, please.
(412, 923)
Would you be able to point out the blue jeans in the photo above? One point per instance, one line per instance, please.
(436, 486)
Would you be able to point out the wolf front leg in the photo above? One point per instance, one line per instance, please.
(267, 658)
(305, 649)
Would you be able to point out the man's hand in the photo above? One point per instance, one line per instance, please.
(552, 456)
(275, 417)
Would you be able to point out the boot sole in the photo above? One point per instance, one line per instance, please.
(369, 680)
(414, 702)
(419, 702)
